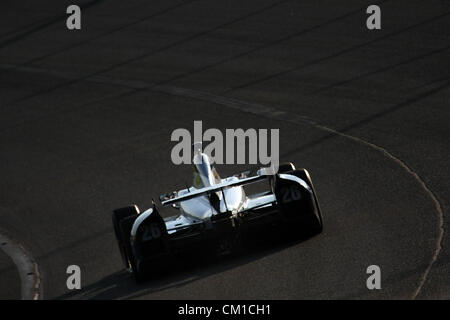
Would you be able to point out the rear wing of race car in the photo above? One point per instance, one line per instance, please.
(173, 198)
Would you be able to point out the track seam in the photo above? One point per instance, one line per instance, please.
(275, 114)
(81, 43)
(200, 34)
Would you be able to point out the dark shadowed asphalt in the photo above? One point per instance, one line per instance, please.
(86, 118)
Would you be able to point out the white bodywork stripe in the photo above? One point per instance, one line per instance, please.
(295, 179)
(139, 220)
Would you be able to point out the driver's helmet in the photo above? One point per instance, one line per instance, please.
(204, 173)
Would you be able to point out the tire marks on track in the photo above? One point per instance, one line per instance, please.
(336, 54)
(71, 81)
(40, 25)
(110, 32)
(147, 54)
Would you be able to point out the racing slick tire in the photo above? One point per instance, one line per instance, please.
(315, 227)
(286, 167)
(125, 226)
(295, 206)
(119, 215)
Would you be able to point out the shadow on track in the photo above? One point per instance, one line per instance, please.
(121, 284)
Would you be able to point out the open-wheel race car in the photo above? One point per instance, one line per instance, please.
(215, 212)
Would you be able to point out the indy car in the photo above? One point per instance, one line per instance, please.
(215, 212)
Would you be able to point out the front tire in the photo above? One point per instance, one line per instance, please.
(123, 238)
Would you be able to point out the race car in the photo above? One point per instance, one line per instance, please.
(216, 213)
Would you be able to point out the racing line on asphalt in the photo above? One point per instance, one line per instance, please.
(30, 280)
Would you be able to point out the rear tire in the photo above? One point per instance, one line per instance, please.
(125, 226)
(123, 239)
(286, 167)
(314, 226)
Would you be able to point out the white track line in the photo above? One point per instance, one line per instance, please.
(28, 269)
(275, 114)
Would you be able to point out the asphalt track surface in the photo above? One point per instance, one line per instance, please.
(86, 119)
